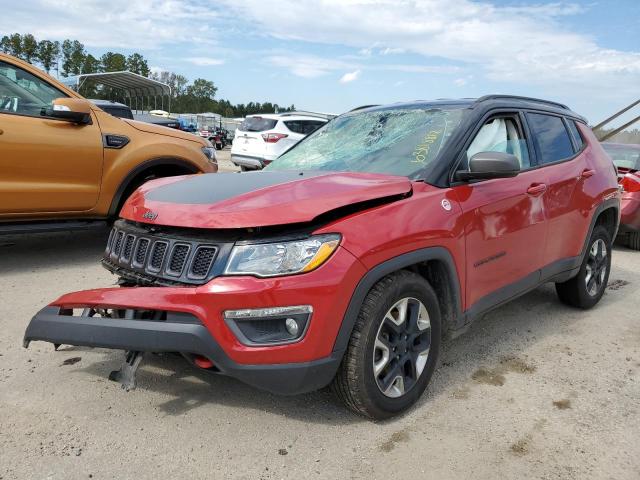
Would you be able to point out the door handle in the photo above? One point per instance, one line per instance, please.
(536, 189)
(586, 173)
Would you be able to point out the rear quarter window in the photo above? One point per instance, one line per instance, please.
(257, 124)
(550, 136)
(575, 133)
(304, 127)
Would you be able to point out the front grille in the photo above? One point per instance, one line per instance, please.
(143, 256)
(178, 259)
(157, 255)
(202, 262)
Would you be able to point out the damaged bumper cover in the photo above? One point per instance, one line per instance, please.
(178, 332)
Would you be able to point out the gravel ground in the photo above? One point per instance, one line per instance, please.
(534, 390)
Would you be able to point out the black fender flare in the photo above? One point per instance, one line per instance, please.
(155, 162)
(389, 266)
(610, 203)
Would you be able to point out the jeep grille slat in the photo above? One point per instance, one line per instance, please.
(143, 256)
(157, 255)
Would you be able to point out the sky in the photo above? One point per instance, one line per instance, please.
(334, 55)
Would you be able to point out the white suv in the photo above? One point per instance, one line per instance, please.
(260, 139)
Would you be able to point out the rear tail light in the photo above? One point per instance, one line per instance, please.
(273, 137)
(631, 182)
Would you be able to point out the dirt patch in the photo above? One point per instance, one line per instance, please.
(563, 404)
(617, 284)
(521, 447)
(461, 393)
(517, 365)
(496, 376)
(489, 377)
(397, 437)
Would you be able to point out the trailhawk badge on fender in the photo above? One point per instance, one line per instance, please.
(446, 204)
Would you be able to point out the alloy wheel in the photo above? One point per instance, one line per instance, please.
(401, 347)
(596, 270)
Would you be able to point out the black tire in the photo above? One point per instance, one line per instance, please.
(574, 292)
(633, 240)
(355, 383)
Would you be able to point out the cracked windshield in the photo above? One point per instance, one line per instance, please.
(399, 141)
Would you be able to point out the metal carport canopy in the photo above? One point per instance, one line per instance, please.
(127, 81)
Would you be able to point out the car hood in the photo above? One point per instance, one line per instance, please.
(255, 199)
(160, 130)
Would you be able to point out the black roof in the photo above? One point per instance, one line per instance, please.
(508, 101)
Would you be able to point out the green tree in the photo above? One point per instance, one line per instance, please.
(5, 44)
(91, 64)
(136, 63)
(113, 62)
(29, 48)
(13, 45)
(73, 56)
(48, 54)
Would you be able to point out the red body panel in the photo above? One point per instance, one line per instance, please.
(500, 219)
(208, 302)
(294, 202)
(630, 202)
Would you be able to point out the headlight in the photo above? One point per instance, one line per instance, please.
(281, 258)
(210, 153)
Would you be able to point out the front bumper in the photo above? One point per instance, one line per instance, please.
(305, 365)
(178, 333)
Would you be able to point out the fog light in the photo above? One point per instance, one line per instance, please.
(271, 325)
(292, 327)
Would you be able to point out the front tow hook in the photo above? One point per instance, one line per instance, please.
(127, 373)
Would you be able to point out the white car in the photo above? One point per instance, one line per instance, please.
(260, 139)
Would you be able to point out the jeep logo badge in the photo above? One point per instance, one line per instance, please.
(150, 215)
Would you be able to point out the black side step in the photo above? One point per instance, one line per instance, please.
(45, 227)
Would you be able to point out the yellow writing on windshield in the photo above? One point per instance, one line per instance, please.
(421, 152)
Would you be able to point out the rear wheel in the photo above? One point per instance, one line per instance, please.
(587, 287)
(633, 240)
(393, 347)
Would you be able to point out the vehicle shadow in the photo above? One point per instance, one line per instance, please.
(31, 252)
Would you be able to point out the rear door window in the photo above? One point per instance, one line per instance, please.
(304, 127)
(550, 136)
(257, 124)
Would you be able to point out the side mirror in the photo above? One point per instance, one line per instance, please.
(488, 165)
(74, 110)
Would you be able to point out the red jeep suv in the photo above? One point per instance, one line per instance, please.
(351, 258)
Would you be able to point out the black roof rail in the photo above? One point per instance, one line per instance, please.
(362, 107)
(517, 97)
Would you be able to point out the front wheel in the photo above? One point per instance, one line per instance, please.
(393, 347)
(587, 287)
(633, 240)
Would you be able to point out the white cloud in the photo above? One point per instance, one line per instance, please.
(350, 77)
(460, 82)
(392, 51)
(525, 45)
(138, 24)
(204, 61)
(307, 66)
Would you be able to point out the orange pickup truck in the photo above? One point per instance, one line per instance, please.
(64, 161)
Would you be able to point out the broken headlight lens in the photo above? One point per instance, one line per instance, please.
(281, 258)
